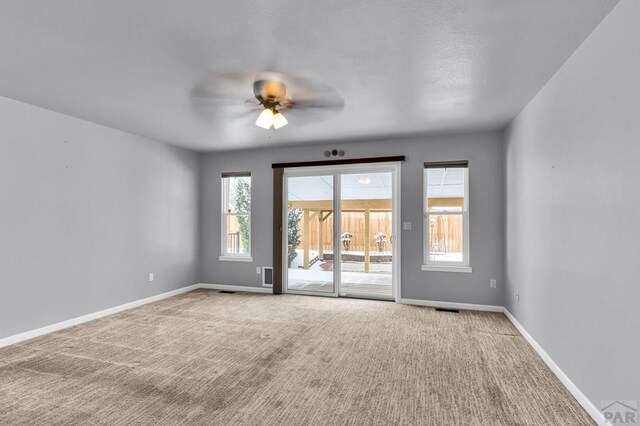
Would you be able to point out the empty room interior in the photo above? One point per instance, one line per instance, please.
(319, 213)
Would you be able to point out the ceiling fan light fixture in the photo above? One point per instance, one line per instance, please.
(279, 120)
(265, 119)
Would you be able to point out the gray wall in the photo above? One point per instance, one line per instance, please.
(572, 200)
(85, 213)
(483, 150)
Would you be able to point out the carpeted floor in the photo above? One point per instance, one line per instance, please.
(223, 359)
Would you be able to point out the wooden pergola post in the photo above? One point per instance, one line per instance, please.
(367, 254)
(320, 236)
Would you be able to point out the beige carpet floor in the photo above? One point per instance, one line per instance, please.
(208, 358)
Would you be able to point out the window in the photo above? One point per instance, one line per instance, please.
(236, 216)
(446, 216)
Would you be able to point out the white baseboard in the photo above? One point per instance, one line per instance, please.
(17, 338)
(90, 317)
(236, 288)
(589, 407)
(451, 305)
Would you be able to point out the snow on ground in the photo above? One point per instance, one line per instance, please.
(352, 272)
(377, 267)
(446, 257)
(302, 276)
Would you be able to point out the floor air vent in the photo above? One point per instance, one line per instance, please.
(454, 311)
(227, 292)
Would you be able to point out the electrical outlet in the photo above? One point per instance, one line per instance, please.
(150, 276)
(493, 283)
(518, 295)
(406, 226)
(258, 271)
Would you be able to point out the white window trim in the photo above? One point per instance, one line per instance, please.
(447, 268)
(242, 257)
(225, 256)
(438, 265)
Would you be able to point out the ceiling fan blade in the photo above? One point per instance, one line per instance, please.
(217, 104)
(333, 103)
(308, 93)
(305, 116)
(222, 112)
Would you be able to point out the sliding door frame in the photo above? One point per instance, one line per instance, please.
(304, 172)
(394, 169)
(336, 170)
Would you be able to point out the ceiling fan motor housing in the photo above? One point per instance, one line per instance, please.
(270, 93)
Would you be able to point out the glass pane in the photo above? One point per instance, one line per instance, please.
(238, 237)
(366, 226)
(445, 233)
(310, 234)
(238, 194)
(445, 189)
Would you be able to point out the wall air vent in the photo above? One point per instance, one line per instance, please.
(267, 276)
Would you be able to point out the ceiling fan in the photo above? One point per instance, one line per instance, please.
(223, 98)
(272, 95)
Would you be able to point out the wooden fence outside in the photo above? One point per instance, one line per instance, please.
(445, 232)
(352, 222)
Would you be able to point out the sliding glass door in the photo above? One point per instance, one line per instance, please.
(310, 234)
(340, 230)
(366, 234)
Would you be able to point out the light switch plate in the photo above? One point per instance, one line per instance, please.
(406, 226)
(150, 276)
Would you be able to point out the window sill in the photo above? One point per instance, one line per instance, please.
(228, 258)
(447, 268)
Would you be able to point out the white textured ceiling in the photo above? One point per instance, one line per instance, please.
(402, 67)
